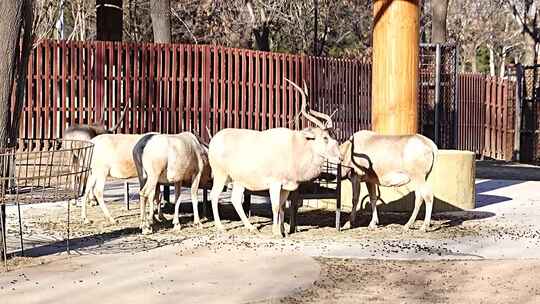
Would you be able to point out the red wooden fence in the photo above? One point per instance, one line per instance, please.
(171, 88)
(486, 116)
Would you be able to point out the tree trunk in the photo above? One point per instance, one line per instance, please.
(439, 10)
(502, 68)
(109, 22)
(491, 61)
(474, 66)
(160, 12)
(10, 31)
(262, 38)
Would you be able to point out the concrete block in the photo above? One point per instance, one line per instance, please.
(452, 179)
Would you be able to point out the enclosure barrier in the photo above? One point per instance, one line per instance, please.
(170, 88)
(486, 116)
(43, 170)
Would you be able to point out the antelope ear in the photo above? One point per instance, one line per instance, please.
(308, 134)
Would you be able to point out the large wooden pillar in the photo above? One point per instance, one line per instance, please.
(395, 66)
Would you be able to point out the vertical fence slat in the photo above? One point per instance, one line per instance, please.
(214, 126)
(189, 100)
(206, 93)
(236, 80)
(182, 97)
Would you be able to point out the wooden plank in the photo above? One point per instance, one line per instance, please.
(157, 86)
(56, 87)
(196, 98)
(251, 100)
(236, 80)
(264, 88)
(166, 115)
(175, 66)
(30, 126)
(145, 82)
(230, 81)
(99, 80)
(506, 154)
(223, 97)
(277, 89)
(47, 95)
(182, 92)
(128, 101)
(119, 85)
(257, 85)
(215, 103)
(245, 113)
(290, 93)
(284, 93)
(137, 88)
(189, 79)
(108, 104)
(206, 93)
(152, 92)
(297, 100)
(271, 84)
(83, 84)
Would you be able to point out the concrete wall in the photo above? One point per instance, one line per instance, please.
(452, 180)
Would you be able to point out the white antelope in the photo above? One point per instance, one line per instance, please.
(111, 157)
(276, 160)
(170, 159)
(389, 161)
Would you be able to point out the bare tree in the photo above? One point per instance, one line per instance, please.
(439, 9)
(160, 12)
(527, 15)
(16, 37)
(109, 20)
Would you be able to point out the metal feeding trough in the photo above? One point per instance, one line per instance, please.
(40, 170)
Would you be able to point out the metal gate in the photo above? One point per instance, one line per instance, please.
(527, 108)
(438, 94)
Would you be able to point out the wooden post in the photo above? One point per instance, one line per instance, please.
(395, 66)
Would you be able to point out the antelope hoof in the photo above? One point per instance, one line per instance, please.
(347, 225)
(252, 229)
(86, 221)
(406, 227)
(276, 232)
(113, 221)
(220, 228)
(198, 225)
(424, 228)
(147, 230)
(177, 227)
(372, 225)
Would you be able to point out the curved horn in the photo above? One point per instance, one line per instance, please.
(209, 133)
(303, 111)
(329, 124)
(122, 116)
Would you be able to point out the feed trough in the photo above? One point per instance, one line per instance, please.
(38, 171)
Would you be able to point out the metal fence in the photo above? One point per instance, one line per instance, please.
(437, 93)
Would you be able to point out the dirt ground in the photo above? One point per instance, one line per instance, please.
(378, 281)
(486, 255)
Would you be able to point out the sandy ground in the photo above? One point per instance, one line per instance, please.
(202, 275)
(485, 255)
(378, 281)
